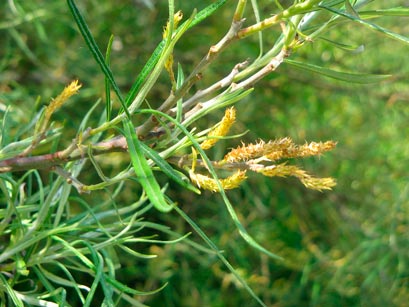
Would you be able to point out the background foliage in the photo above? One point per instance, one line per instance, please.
(347, 247)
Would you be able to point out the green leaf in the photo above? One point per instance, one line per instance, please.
(350, 9)
(345, 47)
(96, 53)
(179, 82)
(108, 107)
(123, 288)
(143, 171)
(219, 254)
(206, 12)
(154, 58)
(396, 11)
(10, 291)
(368, 24)
(343, 76)
(167, 169)
(146, 70)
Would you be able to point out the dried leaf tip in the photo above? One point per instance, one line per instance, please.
(221, 129)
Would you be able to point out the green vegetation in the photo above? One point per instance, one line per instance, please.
(104, 184)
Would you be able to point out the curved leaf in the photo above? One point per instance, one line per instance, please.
(143, 171)
(343, 76)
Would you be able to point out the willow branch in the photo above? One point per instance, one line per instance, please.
(195, 75)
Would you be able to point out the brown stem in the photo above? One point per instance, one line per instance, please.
(47, 161)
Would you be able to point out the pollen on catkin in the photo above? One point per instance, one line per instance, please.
(177, 17)
(277, 149)
(208, 183)
(221, 129)
(284, 170)
(56, 103)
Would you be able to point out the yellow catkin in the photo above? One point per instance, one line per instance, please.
(319, 184)
(177, 17)
(298, 151)
(257, 150)
(208, 183)
(56, 103)
(221, 129)
(284, 170)
(277, 149)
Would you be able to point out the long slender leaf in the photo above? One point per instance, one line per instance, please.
(396, 11)
(154, 58)
(344, 76)
(167, 169)
(368, 24)
(179, 82)
(143, 171)
(123, 288)
(219, 254)
(108, 106)
(10, 291)
(96, 53)
(345, 47)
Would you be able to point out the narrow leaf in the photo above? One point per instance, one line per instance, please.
(143, 171)
(369, 24)
(345, 47)
(396, 11)
(123, 288)
(108, 106)
(179, 82)
(219, 254)
(350, 9)
(96, 53)
(343, 76)
(154, 58)
(167, 169)
(146, 70)
(10, 291)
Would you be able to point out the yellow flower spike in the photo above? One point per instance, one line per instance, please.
(194, 159)
(319, 184)
(284, 170)
(280, 170)
(207, 183)
(221, 129)
(177, 17)
(56, 103)
(277, 149)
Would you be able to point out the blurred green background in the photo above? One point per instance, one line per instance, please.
(346, 247)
